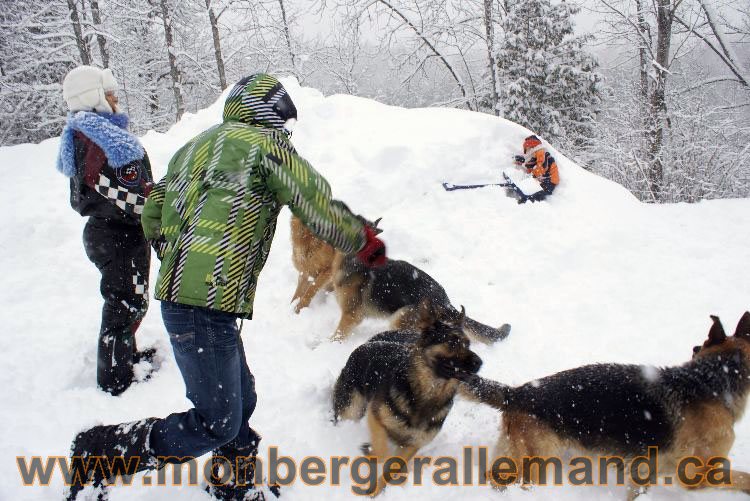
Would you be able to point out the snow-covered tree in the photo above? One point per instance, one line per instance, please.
(37, 47)
(548, 82)
(420, 36)
(164, 69)
(139, 64)
(686, 109)
(704, 147)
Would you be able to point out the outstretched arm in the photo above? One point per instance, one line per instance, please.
(297, 184)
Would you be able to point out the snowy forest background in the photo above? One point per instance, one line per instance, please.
(655, 95)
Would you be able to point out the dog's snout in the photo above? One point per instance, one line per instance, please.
(475, 363)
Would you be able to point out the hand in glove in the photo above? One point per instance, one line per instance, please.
(159, 245)
(373, 253)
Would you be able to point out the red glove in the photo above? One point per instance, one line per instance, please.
(373, 253)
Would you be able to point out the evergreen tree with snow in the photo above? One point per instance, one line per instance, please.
(548, 82)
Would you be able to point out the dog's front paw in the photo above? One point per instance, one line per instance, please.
(378, 488)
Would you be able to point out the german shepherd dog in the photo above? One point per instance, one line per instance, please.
(405, 382)
(391, 291)
(313, 259)
(620, 410)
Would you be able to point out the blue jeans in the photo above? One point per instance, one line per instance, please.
(208, 350)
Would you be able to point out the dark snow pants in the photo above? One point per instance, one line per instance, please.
(547, 189)
(209, 353)
(120, 252)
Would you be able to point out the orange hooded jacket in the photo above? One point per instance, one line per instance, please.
(541, 165)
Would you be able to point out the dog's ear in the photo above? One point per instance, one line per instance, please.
(716, 335)
(462, 318)
(371, 224)
(743, 327)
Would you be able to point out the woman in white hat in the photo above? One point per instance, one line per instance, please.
(110, 177)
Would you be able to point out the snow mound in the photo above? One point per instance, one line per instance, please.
(591, 275)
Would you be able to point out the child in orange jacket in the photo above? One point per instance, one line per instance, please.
(540, 164)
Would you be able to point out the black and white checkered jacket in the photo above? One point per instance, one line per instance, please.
(101, 190)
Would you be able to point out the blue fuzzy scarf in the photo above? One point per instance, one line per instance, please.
(106, 130)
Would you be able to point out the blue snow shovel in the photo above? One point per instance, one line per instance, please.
(507, 184)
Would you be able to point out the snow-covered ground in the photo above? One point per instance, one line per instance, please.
(592, 275)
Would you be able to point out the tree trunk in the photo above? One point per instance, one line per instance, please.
(96, 16)
(643, 65)
(83, 46)
(489, 29)
(658, 103)
(173, 69)
(642, 52)
(288, 37)
(217, 45)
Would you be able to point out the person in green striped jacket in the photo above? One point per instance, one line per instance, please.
(212, 219)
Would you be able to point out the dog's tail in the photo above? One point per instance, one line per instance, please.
(342, 397)
(486, 391)
(348, 402)
(485, 333)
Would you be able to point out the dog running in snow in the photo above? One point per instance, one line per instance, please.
(391, 291)
(620, 410)
(405, 382)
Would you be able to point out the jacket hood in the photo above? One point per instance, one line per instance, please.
(106, 130)
(260, 100)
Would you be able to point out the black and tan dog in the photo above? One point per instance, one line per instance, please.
(392, 291)
(313, 259)
(405, 382)
(621, 410)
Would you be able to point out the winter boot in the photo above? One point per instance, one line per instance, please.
(114, 364)
(103, 453)
(233, 473)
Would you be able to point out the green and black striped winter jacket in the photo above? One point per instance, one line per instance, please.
(217, 206)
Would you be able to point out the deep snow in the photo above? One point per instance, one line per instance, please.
(591, 275)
